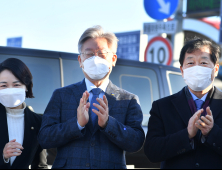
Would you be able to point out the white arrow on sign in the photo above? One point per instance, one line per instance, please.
(165, 7)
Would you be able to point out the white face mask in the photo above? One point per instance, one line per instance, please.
(96, 67)
(198, 78)
(12, 97)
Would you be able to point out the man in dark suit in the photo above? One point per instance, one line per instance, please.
(92, 123)
(185, 129)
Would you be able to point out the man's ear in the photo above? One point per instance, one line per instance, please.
(216, 70)
(80, 61)
(181, 69)
(114, 59)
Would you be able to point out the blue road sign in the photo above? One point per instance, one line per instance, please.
(160, 9)
(14, 42)
(129, 45)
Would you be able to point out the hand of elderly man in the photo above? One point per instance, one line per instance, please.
(103, 113)
(192, 129)
(83, 110)
(12, 148)
(206, 123)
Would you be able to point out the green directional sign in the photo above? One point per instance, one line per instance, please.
(203, 8)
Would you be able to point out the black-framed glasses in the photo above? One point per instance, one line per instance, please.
(100, 53)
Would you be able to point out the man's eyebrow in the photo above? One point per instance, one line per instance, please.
(205, 58)
(3, 82)
(188, 58)
(88, 49)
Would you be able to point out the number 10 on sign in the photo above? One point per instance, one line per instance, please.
(159, 51)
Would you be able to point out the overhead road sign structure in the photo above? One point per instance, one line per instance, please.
(129, 45)
(14, 42)
(160, 9)
(159, 51)
(203, 8)
(169, 27)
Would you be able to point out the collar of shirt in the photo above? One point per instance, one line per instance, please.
(90, 85)
(195, 97)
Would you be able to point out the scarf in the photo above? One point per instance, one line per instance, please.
(193, 105)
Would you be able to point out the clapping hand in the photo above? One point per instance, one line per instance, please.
(192, 129)
(83, 110)
(103, 113)
(206, 123)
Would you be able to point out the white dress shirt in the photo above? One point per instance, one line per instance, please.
(196, 98)
(89, 87)
(16, 126)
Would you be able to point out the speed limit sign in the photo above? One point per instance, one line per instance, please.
(159, 51)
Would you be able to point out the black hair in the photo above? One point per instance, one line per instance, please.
(197, 43)
(20, 71)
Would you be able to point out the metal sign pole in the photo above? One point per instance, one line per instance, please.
(178, 37)
(220, 38)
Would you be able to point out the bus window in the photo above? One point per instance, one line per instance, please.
(175, 82)
(72, 72)
(131, 83)
(139, 81)
(46, 78)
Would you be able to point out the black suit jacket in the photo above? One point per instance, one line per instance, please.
(32, 154)
(167, 138)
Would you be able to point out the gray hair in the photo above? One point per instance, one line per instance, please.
(97, 32)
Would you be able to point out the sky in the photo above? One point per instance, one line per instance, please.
(58, 24)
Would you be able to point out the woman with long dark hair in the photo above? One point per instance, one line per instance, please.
(19, 125)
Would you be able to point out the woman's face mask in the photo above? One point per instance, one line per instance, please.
(12, 91)
(198, 78)
(12, 97)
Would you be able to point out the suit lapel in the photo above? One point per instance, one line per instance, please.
(29, 134)
(79, 89)
(3, 126)
(111, 95)
(216, 102)
(182, 107)
(4, 129)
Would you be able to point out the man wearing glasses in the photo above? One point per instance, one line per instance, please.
(92, 123)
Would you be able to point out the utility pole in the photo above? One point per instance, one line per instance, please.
(220, 34)
(220, 38)
(178, 37)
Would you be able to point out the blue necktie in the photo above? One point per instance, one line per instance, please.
(199, 104)
(95, 93)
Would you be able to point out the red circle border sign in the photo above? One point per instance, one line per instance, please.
(165, 41)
